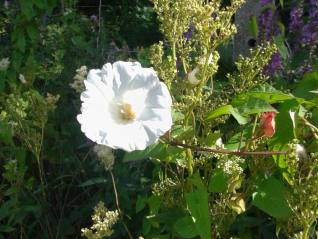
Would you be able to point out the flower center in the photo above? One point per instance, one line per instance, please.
(127, 112)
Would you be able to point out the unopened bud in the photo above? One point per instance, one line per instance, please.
(267, 123)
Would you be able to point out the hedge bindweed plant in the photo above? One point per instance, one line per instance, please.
(228, 152)
(211, 149)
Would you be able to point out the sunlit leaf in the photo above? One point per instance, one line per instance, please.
(185, 227)
(270, 197)
(198, 206)
(227, 110)
(218, 181)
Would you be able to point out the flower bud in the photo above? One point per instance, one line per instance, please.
(267, 123)
(192, 77)
(301, 152)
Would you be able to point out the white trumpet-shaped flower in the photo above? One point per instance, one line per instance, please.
(125, 106)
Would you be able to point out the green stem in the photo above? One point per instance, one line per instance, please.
(253, 133)
(174, 53)
(226, 151)
(184, 66)
(117, 204)
(189, 161)
(306, 232)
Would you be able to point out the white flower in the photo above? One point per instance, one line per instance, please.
(78, 83)
(125, 106)
(219, 143)
(105, 155)
(193, 80)
(4, 64)
(301, 152)
(192, 76)
(22, 79)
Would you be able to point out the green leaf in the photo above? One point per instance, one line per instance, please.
(181, 132)
(169, 218)
(218, 182)
(40, 4)
(280, 43)
(265, 92)
(93, 181)
(6, 228)
(50, 5)
(306, 85)
(177, 116)
(21, 43)
(146, 226)
(197, 202)
(284, 125)
(226, 110)
(211, 138)
(239, 118)
(140, 204)
(5, 134)
(154, 203)
(253, 26)
(27, 8)
(223, 110)
(154, 150)
(315, 116)
(239, 139)
(271, 199)
(185, 227)
(253, 105)
(32, 32)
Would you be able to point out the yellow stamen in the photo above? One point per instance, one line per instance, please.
(127, 112)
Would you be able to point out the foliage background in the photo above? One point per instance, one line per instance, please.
(50, 176)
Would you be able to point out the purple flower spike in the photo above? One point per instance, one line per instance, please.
(310, 29)
(264, 2)
(307, 68)
(274, 65)
(267, 26)
(94, 18)
(313, 9)
(214, 15)
(178, 63)
(309, 34)
(188, 34)
(296, 22)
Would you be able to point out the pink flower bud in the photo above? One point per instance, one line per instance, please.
(267, 123)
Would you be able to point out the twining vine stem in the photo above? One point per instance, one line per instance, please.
(226, 151)
(117, 204)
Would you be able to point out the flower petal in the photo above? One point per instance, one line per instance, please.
(145, 78)
(159, 97)
(124, 72)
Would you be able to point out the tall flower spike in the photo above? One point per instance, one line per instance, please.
(125, 106)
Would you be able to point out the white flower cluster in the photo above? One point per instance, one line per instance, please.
(298, 151)
(231, 165)
(105, 155)
(4, 64)
(103, 221)
(78, 83)
(192, 77)
(52, 99)
(22, 79)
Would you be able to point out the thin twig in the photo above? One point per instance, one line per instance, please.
(117, 204)
(226, 151)
(115, 189)
(99, 22)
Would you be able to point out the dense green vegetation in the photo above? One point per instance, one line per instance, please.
(240, 160)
